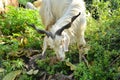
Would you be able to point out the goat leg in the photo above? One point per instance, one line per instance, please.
(82, 55)
(44, 46)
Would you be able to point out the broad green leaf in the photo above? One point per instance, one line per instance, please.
(12, 75)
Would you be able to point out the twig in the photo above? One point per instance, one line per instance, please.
(114, 60)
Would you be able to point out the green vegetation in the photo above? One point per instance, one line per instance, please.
(23, 2)
(18, 43)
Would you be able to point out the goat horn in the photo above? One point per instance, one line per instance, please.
(58, 32)
(49, 34)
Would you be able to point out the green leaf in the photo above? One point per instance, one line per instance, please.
(72, 67)
(12, 75)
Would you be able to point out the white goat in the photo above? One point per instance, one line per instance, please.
(65, 22)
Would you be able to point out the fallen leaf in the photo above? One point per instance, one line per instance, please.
(35, 72)
(32, 72)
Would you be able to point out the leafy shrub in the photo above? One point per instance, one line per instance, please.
(16, 37)
(14, 21)
(13, 24)
(103, 37)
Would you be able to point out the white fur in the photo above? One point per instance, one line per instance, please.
(57, 13)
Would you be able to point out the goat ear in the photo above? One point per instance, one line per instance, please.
(66, 42)
(49, 34)
(58, 32)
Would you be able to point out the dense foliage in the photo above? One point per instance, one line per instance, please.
(18, 43)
